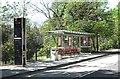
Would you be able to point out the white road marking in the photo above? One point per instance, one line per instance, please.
(87, 74)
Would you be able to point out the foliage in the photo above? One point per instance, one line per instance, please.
(7, 15)
(118, 25)
(7, 51)
(45, 51)
(34, 41)
(84, 17)
(7, 44)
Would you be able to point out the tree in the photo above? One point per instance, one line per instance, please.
(45, 10)
(119, 24)
(34, 41)
(82, 16)
(8, 13)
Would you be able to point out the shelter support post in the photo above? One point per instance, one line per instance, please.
(80, 43)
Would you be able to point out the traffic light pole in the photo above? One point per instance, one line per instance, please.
(23, 43)
(23, 37)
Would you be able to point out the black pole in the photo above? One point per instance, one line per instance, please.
(36, 53)
(23, 38)
(97, 42)
(36, 56)
(23, 43)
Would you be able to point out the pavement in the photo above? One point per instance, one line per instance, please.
(11, 70)
(111, 51)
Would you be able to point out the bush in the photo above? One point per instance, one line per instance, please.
(45, 51)
(8, 52)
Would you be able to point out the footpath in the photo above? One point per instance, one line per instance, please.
(10, 70)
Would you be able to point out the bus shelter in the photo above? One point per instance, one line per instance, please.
(69, 42)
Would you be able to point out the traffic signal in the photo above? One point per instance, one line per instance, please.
(19, 39)
(17, 27)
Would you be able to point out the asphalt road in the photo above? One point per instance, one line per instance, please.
(102, 68)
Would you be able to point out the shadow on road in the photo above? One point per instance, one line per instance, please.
(102, 74)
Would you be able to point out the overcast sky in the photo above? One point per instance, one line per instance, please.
(40, 18)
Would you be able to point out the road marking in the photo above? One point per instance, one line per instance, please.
(88, 73)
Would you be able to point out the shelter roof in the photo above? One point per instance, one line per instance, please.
(69, 32)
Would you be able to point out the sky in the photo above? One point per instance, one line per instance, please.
(113, 3)
(39, 17)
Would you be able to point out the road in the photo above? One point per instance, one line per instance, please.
(103, 67)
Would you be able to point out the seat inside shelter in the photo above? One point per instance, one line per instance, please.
(70, 42)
